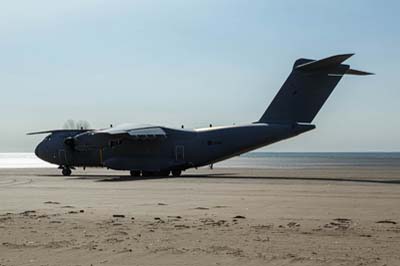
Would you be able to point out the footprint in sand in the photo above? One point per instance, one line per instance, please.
(339, 223)
(386, 222)
(67, 207)
(51, 202)
(220, 206)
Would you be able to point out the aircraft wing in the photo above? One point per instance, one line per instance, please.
(59, 131)
(113, 136)
(135, 132)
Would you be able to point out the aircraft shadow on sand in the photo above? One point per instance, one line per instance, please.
(231, 176)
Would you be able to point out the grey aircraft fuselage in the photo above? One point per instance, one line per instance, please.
(149, 150)
(182, 149)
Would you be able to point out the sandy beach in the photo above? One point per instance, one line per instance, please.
(331, 216)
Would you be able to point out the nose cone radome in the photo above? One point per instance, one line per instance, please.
(39, 151)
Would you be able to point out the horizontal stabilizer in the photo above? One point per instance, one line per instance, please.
(358, 72)
(331, 65)
(326, 63)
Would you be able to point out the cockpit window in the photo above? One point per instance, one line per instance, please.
(48, 138)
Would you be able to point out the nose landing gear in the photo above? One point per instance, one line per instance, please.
(176, 173)
(66, 171)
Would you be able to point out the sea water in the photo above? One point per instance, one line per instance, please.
(297, 160)
(254, 160)
(22, 160)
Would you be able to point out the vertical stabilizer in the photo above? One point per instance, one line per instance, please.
(307, 88)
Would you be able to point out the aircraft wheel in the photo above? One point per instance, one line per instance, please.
(135, 173)
(164, 173)
(66, 172)
(147, 174)
(176, 173)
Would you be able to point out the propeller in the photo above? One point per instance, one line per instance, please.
(80, 124)
(70, 141)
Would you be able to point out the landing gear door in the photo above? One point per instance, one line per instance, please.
(179, 152)
(63, 157)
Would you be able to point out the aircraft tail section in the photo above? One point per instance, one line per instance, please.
(307, 88)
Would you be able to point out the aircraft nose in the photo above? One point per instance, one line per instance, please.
(39, 151)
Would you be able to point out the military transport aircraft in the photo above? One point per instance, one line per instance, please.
(161, 151)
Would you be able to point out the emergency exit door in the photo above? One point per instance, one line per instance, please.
(63, 157)
(180, 152)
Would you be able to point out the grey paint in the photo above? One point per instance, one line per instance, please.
(154, 149)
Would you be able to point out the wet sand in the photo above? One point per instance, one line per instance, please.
(346, 216)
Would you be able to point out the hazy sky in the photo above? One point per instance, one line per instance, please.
(194, 63)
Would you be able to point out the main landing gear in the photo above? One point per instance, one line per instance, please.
(176, 173)
(166, 173)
